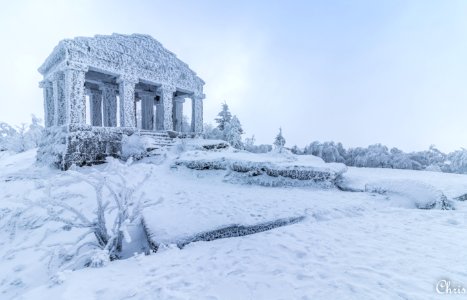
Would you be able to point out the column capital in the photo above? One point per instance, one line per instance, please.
(180, 99)
(167, 88)
(57, 76)
(125, 78)
(91, 91)
(71, 65)
(146, 94)
(107, 86)
(45, 84)
(199, 96)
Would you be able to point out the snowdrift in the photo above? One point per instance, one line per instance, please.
(452, 185)
(410, 194)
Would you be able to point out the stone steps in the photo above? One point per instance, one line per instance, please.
(158, 140)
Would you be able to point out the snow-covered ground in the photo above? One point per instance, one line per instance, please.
(351, 245)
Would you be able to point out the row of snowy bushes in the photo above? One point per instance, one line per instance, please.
(20, 138)
(380, 156)
(242, 167)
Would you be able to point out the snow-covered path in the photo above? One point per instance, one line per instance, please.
(350, 245)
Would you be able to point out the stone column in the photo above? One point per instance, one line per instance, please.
(109, 104)
(60, 105)
(167, 92)
(95, 102)
(178, 113)
(49, 105)
(147, 110)
(197, 113)
(74, 94)
(126, 88)
(159, 114)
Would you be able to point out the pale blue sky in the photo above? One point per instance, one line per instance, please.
(359, 72)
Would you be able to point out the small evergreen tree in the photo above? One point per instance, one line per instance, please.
(233, 132)
(223, 117)
(279, 142)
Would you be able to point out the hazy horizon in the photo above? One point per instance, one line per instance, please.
(360, 72)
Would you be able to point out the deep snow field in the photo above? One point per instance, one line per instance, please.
(358, 244)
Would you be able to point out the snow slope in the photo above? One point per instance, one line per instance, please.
(452, 185)
(351, 245)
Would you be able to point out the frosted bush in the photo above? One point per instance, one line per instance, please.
(133, 146)
(99, 259)
(118, 205)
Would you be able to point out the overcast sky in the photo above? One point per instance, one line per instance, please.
(359, 72)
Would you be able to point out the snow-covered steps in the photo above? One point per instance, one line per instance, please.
(145, 143)
(156, 140)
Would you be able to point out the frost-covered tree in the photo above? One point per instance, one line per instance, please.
(117, 204)
(328, 151)
(296, 150)
(376, 156)
(20, 141)
(401, 160)
(457, 161)
(279, 141)
(23, 138)
(249, 143)
(431, 158)
(34, 134)
(7, 133)
(233, 133)
(212, 133)
(223, 117)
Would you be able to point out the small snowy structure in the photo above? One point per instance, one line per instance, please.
(92, 87)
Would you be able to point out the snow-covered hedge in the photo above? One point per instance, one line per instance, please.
(261, 168)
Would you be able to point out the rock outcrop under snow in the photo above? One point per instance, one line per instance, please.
(270, 169)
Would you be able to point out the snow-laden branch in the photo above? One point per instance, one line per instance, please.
(118, 204)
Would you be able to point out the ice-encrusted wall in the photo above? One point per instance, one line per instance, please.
(63, 146)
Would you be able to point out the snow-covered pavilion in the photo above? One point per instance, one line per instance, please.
(93, 86)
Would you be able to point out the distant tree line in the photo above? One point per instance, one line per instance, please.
(374, 156)
(380, 156)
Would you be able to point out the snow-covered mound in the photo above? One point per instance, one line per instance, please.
(271, 168)
(410, 194)
(452, 185)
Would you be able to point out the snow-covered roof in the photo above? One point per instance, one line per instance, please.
(136, 55)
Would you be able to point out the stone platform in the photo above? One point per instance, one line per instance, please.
(81, 145)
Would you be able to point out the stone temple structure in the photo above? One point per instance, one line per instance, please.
(92, 87)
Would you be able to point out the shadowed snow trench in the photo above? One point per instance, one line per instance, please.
(226, 232)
